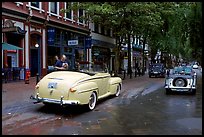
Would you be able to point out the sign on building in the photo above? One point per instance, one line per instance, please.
(51, 36)
(88, 42)
(72, 42)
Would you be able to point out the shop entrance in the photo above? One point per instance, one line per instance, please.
(34, 62)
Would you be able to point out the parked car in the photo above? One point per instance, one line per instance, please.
(83, 87)
(181, 79)
(157, 70)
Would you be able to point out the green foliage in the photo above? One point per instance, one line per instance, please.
(175, 27)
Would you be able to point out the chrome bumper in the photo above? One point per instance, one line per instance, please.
(54, 101)
(180, 89)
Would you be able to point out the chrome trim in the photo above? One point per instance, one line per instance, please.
(56, 101)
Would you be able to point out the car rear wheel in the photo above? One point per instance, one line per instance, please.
(117, 93)
(92, 101)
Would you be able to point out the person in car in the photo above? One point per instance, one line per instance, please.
(62, 63)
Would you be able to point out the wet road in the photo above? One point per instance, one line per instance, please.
(143, 108)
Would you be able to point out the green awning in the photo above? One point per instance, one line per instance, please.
(6, 46)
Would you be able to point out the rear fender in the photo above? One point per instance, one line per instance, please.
(83, 92)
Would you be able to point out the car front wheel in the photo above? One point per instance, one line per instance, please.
(92, 101)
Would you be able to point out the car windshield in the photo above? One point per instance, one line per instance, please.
(92, 67)
(182, 70)
(157, 66)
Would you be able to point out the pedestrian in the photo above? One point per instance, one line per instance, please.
(138, 70)
(62, 63)
(56, 59)
(168, 72)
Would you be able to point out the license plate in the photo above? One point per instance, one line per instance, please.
(52, 85)
(180, 89)
(155, 72)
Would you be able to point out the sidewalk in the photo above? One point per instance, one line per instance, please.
(17, 90)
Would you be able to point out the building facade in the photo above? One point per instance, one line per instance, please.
(102, 45)
(43, 32)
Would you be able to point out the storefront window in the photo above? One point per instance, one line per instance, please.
(52, 52)
(100, 54)
(79, 54)
(57, 37)
(67, 50)
(81, 42)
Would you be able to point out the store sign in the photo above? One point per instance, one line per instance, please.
(51, 36)
(72, 42)
(88, 42)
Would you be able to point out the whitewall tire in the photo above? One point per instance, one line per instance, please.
(92, 101)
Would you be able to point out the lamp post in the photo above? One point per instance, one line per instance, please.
(37, 75)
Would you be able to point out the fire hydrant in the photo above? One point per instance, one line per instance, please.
(27, 76)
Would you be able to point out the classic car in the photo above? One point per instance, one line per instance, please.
(157, 70)
(84, 87)
(181, 79)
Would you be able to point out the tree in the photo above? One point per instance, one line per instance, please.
(169, 26)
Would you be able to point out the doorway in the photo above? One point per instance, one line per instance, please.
(34, 62)
(35, 55)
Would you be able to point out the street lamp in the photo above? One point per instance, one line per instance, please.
(36, 45)
(37, 75)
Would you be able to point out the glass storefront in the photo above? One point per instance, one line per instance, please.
(58, 45)
(101, 54)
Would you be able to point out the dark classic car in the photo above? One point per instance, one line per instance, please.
(181, 79)
(157, 70)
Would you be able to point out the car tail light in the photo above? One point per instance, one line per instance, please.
(72, 90)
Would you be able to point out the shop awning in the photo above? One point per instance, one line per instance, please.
(6, 46)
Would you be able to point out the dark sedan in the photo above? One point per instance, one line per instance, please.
(157, 70)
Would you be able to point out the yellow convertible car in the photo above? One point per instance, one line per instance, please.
(83, 87)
